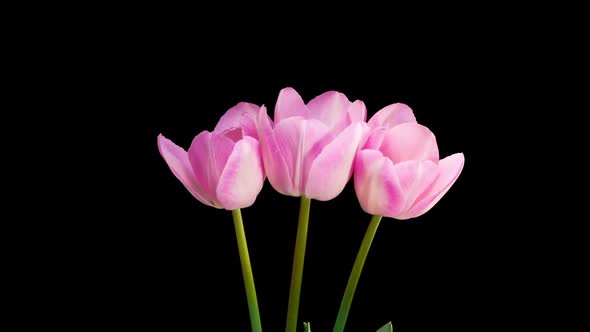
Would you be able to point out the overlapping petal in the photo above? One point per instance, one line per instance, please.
(410, 141)
(332, 168)
(242, 116)
(449, 168)
(275, 165)
(178, 161)
(392, 115)
(373, 183)
(398, 173)
(289, 103)
(330, 107)
(242, 177)
(223, 168)
(310, 149)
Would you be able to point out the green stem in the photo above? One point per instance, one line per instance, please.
(356, 274)
(297, 274)
(247, 271)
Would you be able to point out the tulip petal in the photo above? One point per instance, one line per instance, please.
(243, 116)
(332, 168)
(357, 111)
(289, 103)
(330, 108)
(208, 154)
(410, 141)
(300, 141)
(375, 184)
(178, 161)
(387, 189)
(243, 176)
(414, 177)
(392, 115)
(275, 165)
(374, 139)
(450, 168)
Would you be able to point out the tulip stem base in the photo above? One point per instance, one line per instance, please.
(299, 257)
(356, 274)
(247, 271)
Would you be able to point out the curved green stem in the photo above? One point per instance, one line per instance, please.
(297, 274)
(247, 271)
(356, 274)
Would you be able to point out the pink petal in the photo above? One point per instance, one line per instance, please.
(208, 154)
(332, 168)
(275, 165)
(177, 159)
(414, 177)
(410, 141)
(243, 176)
(450, 168)
(243, 116)
(289, 103)
(388, 190)
(300, 141)
(375, 139)
(392, 115)
(330, 108)
(357, 111)
(374, 184)
(198, 155)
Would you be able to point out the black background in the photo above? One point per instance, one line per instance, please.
(157, 258)
(181, 264)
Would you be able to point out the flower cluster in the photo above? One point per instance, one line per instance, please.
(311, 151)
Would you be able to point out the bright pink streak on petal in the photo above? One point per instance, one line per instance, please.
(208, 154)
(375, 184)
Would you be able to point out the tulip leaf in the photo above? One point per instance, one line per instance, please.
(307, 327)
(386, 328)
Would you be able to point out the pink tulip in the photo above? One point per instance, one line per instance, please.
(309, 150)
(223, 168)
(398, 173)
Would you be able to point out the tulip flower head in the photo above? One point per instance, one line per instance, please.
(397, 172)
(223, 168)
(309, 149)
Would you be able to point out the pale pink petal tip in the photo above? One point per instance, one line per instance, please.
(392, 115)
(242, 117)
(450, 169)
(289, 103)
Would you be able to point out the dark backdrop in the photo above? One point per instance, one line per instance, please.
(180, 260)
(162, 259)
